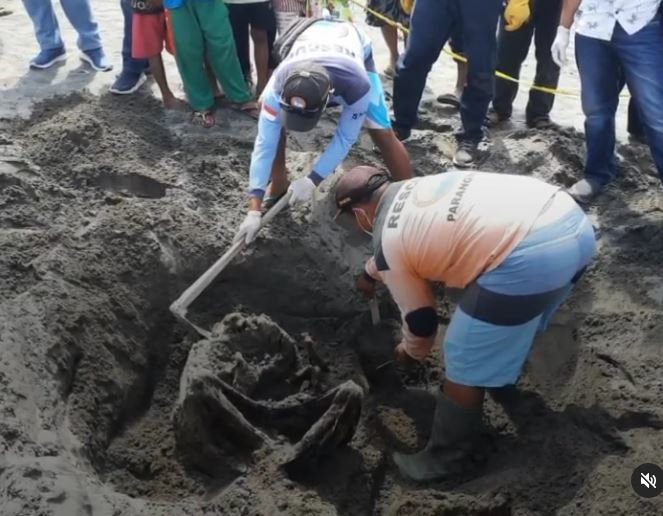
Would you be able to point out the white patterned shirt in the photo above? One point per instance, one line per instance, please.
(598, 18)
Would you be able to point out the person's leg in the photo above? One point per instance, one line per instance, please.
(634, 123)
(390, 35)
(601, 82)
(479, 19)
(79, 14)
(512, 49)
(239, 22)
(263, 32)
(546, 16)
(190, 57)
(393, 151)
(130, 65)
(158, 72)
(456, 43)
(279, 180)
(461, 77)
(430, 27)
(45, 24)
(214, 82)
(213, 17)
(641, 55)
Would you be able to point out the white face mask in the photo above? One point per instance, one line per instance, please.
(359, 211)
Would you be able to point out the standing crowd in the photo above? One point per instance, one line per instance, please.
(515, 245)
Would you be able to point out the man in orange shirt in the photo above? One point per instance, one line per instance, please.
(516, 245)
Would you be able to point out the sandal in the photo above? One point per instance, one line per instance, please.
(270, 200)
(204, 119)
(248, 108)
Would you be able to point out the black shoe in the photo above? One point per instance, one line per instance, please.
(541, 123)
(495, 118)
(401, 133)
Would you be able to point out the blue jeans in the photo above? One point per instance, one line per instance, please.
(604, 66)
(47, 30)
(431, 26)
(129, 64)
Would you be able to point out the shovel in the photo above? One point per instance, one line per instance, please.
(180, 306)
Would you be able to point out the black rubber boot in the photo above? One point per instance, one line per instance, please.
(452, 435)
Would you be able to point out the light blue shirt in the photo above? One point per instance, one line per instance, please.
(346, 55)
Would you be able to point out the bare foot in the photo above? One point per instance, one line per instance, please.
(174, 104)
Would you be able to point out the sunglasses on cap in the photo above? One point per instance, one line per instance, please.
(292, 107)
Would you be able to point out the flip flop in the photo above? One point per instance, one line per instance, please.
(270, 200)
(204, 119)
(250, 109)
(449, 99)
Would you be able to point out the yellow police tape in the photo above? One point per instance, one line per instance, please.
(458, 57)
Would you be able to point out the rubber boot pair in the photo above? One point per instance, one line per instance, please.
(449, 446)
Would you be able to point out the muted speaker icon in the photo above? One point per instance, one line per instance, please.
(644, 480)
(648, 480)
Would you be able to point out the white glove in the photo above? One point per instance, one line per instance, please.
(249, 228)
(302, 190)
(560, 45)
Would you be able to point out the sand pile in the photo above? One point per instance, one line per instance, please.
(108, 211)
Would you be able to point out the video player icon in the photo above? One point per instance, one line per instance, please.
(644, 480)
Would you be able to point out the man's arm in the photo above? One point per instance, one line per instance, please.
(264, 151)
(414, 297)
(569, 9)
(347, 132)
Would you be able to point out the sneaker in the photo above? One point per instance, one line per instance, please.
(467, 154)
(127, 83)
(585, 191)
(97, 59)
(47, 58)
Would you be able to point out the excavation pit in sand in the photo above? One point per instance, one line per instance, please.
(131, 185)
(92, 361)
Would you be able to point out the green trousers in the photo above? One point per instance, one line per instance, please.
(202, 29)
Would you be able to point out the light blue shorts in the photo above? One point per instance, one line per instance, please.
(498, 316)
(377, 116)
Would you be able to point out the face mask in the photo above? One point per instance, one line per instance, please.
(353, 234)
(359, 214)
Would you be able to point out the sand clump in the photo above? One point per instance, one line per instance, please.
(108, 211)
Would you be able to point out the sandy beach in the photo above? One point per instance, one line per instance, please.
(110, 208)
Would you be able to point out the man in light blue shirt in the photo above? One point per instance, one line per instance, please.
(330, 62)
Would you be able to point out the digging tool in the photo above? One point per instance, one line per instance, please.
(181, 304)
